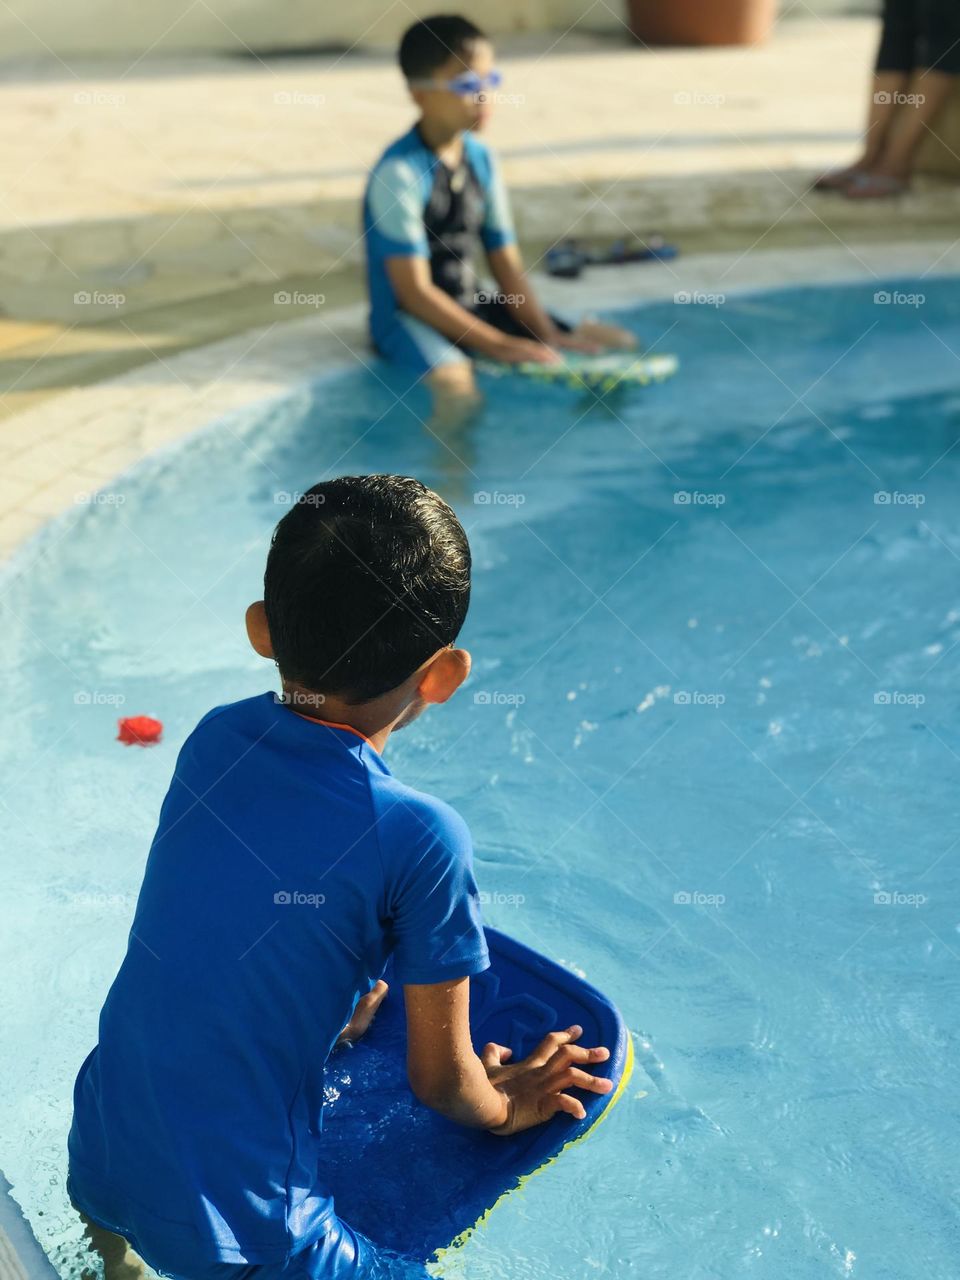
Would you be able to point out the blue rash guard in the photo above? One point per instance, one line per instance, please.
(287, 866)
(415, 206)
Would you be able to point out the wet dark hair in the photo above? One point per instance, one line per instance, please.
(366, 577)
(431, 42)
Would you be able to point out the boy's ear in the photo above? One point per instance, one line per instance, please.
(258, 633)
(444, 676)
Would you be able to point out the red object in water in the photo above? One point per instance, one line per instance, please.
(139, 731)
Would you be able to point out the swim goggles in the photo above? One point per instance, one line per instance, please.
(466, 85)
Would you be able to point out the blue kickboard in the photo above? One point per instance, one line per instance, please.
(406, 1177)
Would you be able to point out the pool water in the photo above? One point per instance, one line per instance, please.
(709, 754)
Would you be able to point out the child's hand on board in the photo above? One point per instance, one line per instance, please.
(363, 1014)
(524, 351)
(534, 1088)
(593, 337)
(576, 342)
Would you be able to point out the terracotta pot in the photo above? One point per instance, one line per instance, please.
(701, 21)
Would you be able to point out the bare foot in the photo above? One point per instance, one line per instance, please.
(363, 1014)
(875, 186)
(839, 179)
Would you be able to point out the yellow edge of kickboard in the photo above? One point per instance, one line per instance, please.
(455, 1245)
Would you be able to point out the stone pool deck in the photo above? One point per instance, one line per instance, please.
(161, 218)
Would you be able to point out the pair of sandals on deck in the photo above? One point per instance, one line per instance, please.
(859, 184)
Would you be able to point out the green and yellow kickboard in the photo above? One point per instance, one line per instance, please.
(600, 374)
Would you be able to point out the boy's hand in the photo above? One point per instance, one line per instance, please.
(593, 337)
(363, 1014)
(533, 1089)
(574, 342)
(520, 350)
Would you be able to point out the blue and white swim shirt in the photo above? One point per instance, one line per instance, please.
(414, 206)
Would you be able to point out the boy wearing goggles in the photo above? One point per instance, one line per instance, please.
(432, 195)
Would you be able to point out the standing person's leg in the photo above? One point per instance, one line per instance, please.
(927, 95)
(930, 87)
(896, 59)
(889, 88)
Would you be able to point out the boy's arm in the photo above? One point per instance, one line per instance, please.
(446, 1074)
(437, 938)
(443, 1070)
(420, 297)
(506, 266)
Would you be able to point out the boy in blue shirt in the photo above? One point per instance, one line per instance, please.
(288, 865)
(432, 195)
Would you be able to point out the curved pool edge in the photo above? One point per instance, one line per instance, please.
(21, 1257)
(140, 414)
